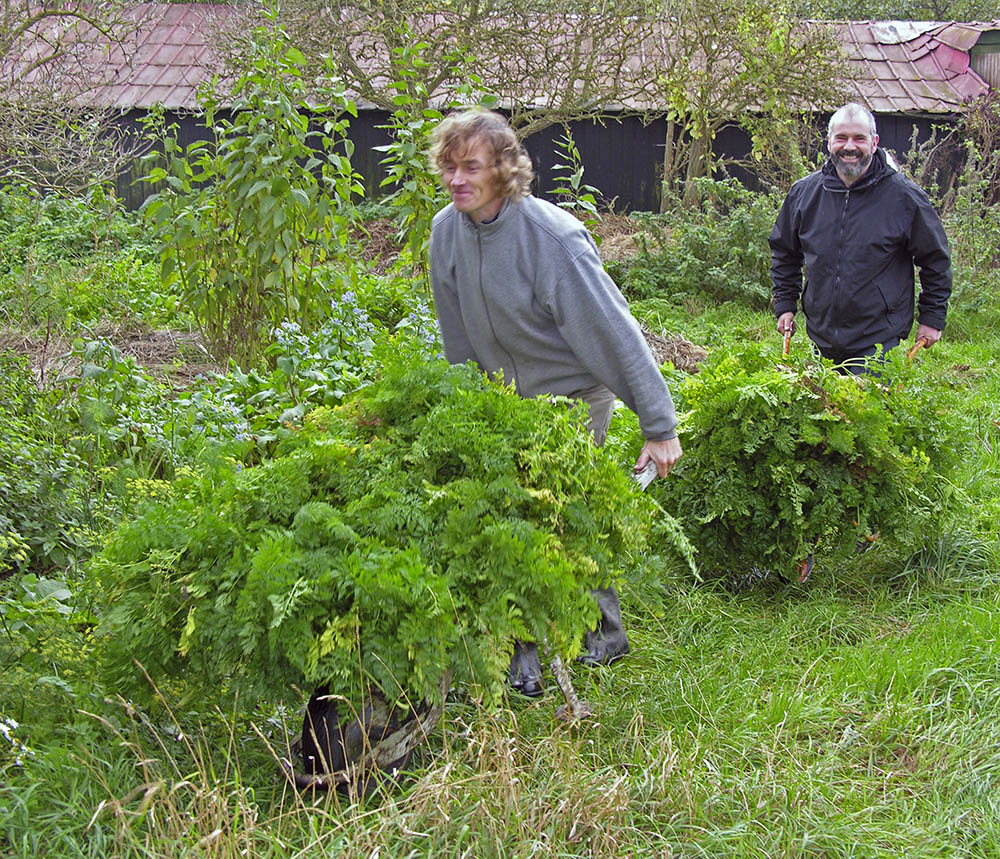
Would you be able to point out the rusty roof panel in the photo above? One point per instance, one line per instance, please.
(953, 60)
(172, 76)
(172, 52)
(895, 53)
(868, 51)
(960, 36)
(166, 59)
(892, 88)
(914, 67)
(147, 75)
(905, 71)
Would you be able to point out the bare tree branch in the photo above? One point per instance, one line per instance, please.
(745, 62)
(702, 63)
(548, 62)
(54, 59)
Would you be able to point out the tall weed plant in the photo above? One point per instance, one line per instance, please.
(973, 221)
(45, 511)
(569, 189)
(245, 221)
(416, 193)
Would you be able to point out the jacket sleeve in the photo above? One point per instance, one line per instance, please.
(457, 347)
(593, 318)
(928, 244)
(786, 258)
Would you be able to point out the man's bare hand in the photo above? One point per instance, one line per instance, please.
(929, 335)
(664, 453)
(786, 323)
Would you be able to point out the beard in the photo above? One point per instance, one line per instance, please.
(851, 169)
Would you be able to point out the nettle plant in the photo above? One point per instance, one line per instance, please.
(404, 537)
(784, 456)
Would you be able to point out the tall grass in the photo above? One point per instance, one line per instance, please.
(859, 717)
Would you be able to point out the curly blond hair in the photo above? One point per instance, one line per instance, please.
(457, 130)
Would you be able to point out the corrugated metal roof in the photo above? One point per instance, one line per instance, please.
(899, 66)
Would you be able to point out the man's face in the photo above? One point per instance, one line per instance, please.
(470, 175)
(852, 146)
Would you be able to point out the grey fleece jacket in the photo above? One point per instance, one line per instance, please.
(526, 294)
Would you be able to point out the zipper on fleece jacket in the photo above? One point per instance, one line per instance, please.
(486, 308)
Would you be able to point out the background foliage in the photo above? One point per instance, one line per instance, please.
(717, 250)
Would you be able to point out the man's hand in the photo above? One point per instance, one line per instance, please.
(929, 335)
(786, 323)
(664, 453)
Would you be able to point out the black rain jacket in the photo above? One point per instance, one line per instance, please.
(859, 245)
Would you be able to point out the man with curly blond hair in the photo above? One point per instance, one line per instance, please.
(519, 288)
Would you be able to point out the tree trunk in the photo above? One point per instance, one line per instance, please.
(695, 170)
(669, 168)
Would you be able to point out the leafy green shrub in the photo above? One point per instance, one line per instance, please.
(416, 192)
(44, 518)
(244, 221)
(123, 288)
(414, 531)
(391, 301)
(782, 458)
(116, 408)
(718, 250)
(48, 228)
(378, 209)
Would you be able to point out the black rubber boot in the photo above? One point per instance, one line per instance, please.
(525, 675)
(608, 642)
(331, 744)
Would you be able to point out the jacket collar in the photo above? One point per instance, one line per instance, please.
(497, 223)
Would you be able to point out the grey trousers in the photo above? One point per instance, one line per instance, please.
(610, 634)
(601, 402)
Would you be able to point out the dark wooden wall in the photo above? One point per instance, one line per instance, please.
(621, 156)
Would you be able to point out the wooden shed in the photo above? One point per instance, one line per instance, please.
(911, 74)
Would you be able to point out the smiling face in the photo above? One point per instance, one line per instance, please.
(470, 175)
(852, 146)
